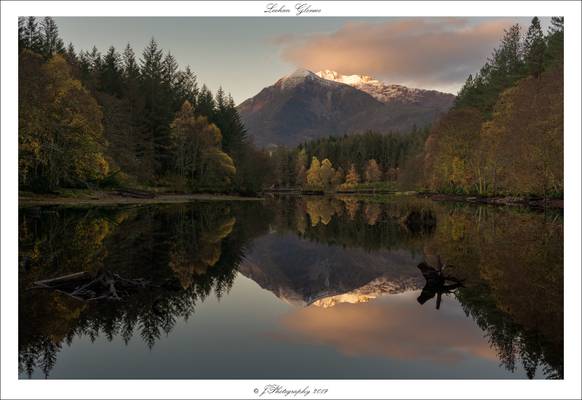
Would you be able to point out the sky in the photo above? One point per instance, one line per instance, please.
(246, 54)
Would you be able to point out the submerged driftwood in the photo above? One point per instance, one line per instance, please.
(85, 287)
(437, 283)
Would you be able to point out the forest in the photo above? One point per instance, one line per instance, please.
(92, 120)
(503, 136)
(505, 133)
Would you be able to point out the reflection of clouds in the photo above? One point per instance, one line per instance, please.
(392, 328)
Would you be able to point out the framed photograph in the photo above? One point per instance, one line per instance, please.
(290, 200)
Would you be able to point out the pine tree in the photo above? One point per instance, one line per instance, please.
(157, 113)
(555, 43)
(21, 36)
(31, 36)
(205, 104)
(534, 48)
(70, 54)
(186, 87)
(111, 75)
(338, 177)
(51, 43)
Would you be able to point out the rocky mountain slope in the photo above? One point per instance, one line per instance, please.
(304, 106)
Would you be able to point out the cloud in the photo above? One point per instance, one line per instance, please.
(431, 53)
(397, 329)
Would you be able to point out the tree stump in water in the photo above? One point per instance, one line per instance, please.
(437, 283)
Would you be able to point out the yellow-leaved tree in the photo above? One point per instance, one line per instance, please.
(61, 139)
(198, 156)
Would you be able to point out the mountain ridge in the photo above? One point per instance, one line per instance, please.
(303, 106)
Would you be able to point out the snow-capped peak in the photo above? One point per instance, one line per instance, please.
(347, 79)
(384, 91)
(301, 75)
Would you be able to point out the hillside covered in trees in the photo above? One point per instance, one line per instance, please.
(88, 119)
(503, 136)
(505, 133)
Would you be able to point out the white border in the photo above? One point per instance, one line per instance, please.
(14, 388)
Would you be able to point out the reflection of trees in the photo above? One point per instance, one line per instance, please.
(510, 262)
(512, 265)
(354, 222)
(186, 252)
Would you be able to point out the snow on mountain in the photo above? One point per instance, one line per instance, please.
(300, 76)
(386, 92)
(378, 287)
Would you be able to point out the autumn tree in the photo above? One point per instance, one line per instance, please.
(526, 135)
(197, 154)
(352, 177)
(60, 136)
(373, 172)
(326, 173)
(450, 160)
(313, 175)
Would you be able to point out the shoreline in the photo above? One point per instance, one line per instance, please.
(28, 199)
(112, 199)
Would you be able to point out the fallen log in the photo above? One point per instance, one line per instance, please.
(83, 286)
(138, 194)
(62, 279)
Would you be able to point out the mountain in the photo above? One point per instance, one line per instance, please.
(301, 272)
(304, 106)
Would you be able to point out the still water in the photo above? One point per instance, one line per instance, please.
(291, 287)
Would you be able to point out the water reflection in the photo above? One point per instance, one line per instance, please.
(357, 269)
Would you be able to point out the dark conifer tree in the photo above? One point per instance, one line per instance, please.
(555, 42)
(51, 43)
(111, 75)
(21, 37)
(205, 104)
(534, 48)
(186, 87)
(157, 113)
(31, 36)
(71, 55)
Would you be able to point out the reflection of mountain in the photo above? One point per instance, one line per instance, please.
(376, 288)
(321, 251)
(303, 272)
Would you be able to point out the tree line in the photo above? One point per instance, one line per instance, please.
(346, 162)
(90, 118)
(504, 135)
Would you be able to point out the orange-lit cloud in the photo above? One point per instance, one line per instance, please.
(433, 53)
(400, 330)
